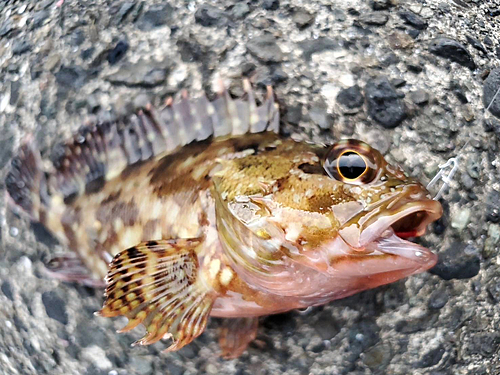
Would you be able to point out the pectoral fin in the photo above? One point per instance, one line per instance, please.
(236, 334)
(157, 283)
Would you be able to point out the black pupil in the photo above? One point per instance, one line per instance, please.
(351, 165)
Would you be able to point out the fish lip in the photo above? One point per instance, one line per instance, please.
(431, 208)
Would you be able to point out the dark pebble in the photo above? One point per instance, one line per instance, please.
(431, 358)
(208, 15)
(156, 16)
(413, 20)
(457, 263)
(398, 82)
(381, 4)
(55, 307)
(270, 4)
(374, 18)
(70, 77)
(39, 18)
(438, 299)
(485, 344)
(452, 50)
(491, 85)
(318, 348)
(265, 49)
(419, 97)
(351, 97)
(414, 66)
(116, 54)
(302, 18)
(492, 125)
(124, 10)
(7, 290)
(141, 74)
(15, 87)
(312, 46)
(493, 289)
(293, 114)
(87, 53)
(384, 104)
(476, 44)
(43, 235)
(6, 28)
(493, 206)
(77, 37)
(325, 326)
(21, 46)
(459, 91)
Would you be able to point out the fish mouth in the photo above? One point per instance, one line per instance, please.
(381, 241)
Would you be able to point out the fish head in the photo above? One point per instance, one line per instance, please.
(341, 213)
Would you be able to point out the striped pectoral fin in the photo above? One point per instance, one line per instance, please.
(236, 334)
(157, 283)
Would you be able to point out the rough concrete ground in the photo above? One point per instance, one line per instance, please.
(406, 76)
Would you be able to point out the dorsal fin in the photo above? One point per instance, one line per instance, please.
(104, 148)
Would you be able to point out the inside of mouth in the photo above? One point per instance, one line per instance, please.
(412, 225)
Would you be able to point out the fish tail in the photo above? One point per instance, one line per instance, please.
(26, 181)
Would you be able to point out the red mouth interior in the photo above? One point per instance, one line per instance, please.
(411, 225)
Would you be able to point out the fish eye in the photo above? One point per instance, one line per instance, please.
(351, 161)
(351, 165)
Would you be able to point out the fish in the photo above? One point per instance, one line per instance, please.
(202, 209)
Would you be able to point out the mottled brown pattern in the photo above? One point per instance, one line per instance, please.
(126, 211)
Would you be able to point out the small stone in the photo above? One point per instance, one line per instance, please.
(55, 307)
(414, 66)
(156, 16)
(52, 62)
(476, 44)
(116, 54)
(325, 326)
(492, 242)
(491, 86)
(378, 357)
(493, 206)
(293, 114)
(141, 74)
(320, 117)
(265, 49)
(351, 97)
(14, 92)
(452, 50)
(270, 4)
(438, 299)
(431, 358)
(77, 37)
(460, 220)
(302, 18)
(240, 10)
(39, 18)
(457, 262)
(6, 28)
(312, 46)
(70, 78)
(21, 46)
(412, 19)
(485, 344)
(208, 15)
(7, 290)
(124, 10)
(374, 18)
(384, 104)
(399, 40)
(381, 4)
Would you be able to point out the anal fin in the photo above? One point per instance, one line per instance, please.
(157, 283)
(236, 334)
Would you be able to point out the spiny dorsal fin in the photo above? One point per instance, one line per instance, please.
(157, 283)
(103, 149)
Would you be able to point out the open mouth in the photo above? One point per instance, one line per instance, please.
(386, 233)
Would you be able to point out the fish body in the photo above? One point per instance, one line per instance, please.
(203, 209)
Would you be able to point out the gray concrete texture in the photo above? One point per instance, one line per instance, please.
(412, 78)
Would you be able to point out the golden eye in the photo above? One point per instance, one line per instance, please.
(352, 162)
(351, 165)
